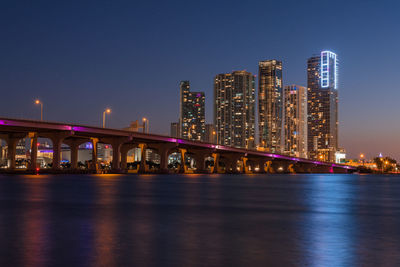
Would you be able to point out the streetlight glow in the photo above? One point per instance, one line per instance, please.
(106, 111)
(38, 102)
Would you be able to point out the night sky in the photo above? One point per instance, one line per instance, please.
(80, 57)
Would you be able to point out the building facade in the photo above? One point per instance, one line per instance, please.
(211, 134)
(270, 105)
(322, 83)
(295, 120)
(175, 130)
(234, 109)
(191, 113)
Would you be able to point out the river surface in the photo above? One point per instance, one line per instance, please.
(200, 220)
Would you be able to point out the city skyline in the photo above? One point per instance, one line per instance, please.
(68, 65)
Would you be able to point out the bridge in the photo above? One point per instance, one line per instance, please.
(225, 159)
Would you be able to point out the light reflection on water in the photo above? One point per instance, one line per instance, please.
(200, 220)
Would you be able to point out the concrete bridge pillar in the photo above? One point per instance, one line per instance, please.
(34, 149)
(57, 141)
(124, 158)
(231, 163)
(74, 148)
(164, 151)
(215, 157)
(143, 165)
(200, 157)
(12, 151)
(261, 165)
(74, 156)
(183, 168)
(94, 166)
(116, 160)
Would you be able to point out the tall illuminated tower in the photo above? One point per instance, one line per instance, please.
(234, 109)
(295, 120)
(322, 82)
(270, 104)
(191, 113)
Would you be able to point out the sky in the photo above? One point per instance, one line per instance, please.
(80, 57)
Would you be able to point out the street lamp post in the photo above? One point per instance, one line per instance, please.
(108, 111)
(38, 102)
(145, 125)
(362, 159)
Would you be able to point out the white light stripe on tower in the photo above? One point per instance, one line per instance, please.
(325, 74)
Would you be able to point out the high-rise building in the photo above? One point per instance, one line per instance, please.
(175, 130)
(270, 105)
(295, 120)
(191, 113)
(322, 83)
(211, 134)
(234, 109)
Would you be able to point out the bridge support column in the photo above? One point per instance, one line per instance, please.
(231, 163)
(12, 151)
(200, 157)
(183, 168)
(246, 165)
(74, 155)
(56, 152)
(34, 149)
(94, 166)
(74, 148)
(143, 165)
(116, 160)
(124, 159)
(215, 168)
(164, 151)
(261, 165)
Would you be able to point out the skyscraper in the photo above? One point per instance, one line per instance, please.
(322, 82)
(175, 130)
(234, 109)
(191, 113)
(211, 134)
(295, 120)
(270, 104)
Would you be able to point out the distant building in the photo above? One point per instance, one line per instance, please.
(135, 126)
(211, 134)
(322, 83)
(340, 156)
(234, 109)
(270, 105)
(191, 113)
(175, 130)
(295, 121)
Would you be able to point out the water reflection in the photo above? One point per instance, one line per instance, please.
(200, 220)
(34, 223)
(104, 222)
(330, 227)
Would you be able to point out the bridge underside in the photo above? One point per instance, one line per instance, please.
(195, 157)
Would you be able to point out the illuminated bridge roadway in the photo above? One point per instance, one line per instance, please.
(226, 159)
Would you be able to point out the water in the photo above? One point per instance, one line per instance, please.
(200, 220)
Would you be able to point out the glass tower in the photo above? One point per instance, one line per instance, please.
(270, 104)
(295, 120)
(234, 109)
(191, 113)
(322, 82)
